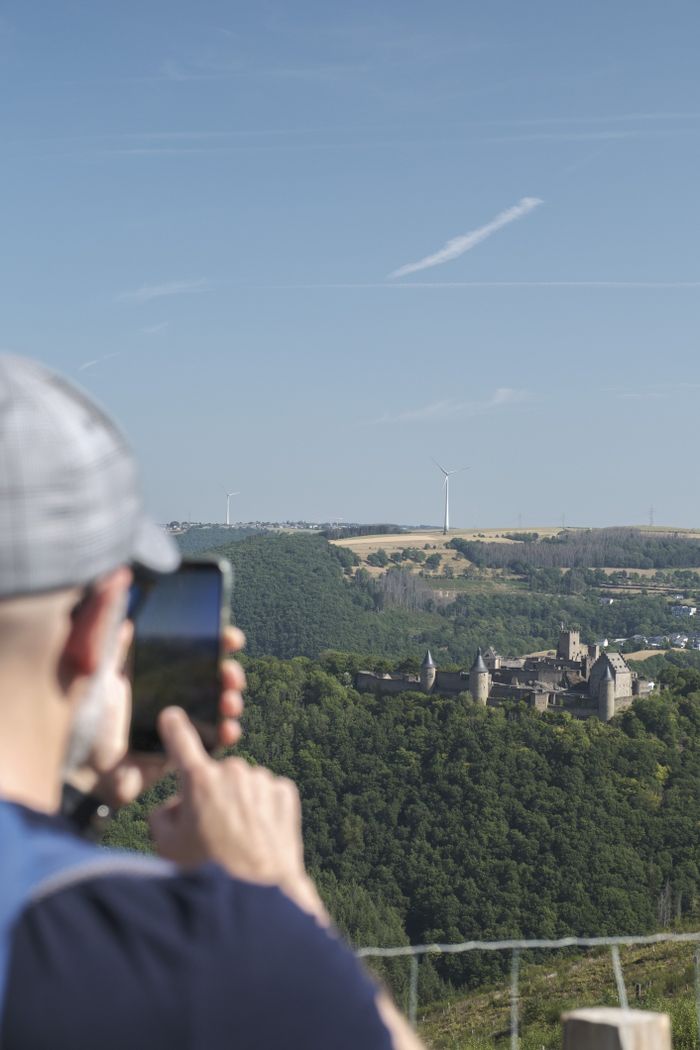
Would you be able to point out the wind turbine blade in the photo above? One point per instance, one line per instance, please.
(445, 472)
(459, 470)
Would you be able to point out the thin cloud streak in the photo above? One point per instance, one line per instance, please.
(154, 329)
(655, 393)
(98, 360)
(440, 411)
(421, 285)
(146, 292)
(389, 143)
(608, 118)
(459, 245)
(169, 145)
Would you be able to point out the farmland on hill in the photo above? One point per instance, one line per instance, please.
(611, 562)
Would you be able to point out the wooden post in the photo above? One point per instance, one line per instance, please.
(610, 1028)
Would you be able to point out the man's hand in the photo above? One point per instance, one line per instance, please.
(240, 816)
(116, 775)
(248, 821)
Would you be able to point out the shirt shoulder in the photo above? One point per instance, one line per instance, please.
(184, 960)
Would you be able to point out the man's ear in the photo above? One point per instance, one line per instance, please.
(91, 620)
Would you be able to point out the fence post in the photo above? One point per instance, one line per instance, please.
(619, 977)
(612, 1028)
(413, 991)
(514, 1001)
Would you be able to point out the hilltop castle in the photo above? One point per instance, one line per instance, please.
(578, 677)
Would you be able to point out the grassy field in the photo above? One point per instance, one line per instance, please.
(658, 977)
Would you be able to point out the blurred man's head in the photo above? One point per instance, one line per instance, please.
(71, 524)
(70, 505)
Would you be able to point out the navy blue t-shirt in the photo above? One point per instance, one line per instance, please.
(167, 962)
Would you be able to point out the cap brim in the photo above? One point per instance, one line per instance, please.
(155, 549)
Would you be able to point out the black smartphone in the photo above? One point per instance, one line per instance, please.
(177, 650)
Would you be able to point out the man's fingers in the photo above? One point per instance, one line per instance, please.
(126, 634)
(287, 802)
(231, 704)
(232, 675)
(234, 639)
(181, 741)
(230, 732)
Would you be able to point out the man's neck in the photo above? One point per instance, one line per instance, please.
(32, 745)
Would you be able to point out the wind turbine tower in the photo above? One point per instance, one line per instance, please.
(228, 505)
(446, 485)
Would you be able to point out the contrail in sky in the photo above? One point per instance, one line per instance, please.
(146, 292)
(459, 245)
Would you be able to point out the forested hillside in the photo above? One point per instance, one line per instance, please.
(294, 596)
(291, 598)
(200, 538)
(431, 819)
(586, 548)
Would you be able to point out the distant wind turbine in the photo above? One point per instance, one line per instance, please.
(228, 505)
(446, 485)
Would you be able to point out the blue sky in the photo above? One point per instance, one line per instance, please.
(202, 204)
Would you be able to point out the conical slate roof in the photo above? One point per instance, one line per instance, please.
(428, 659)
(479, 666)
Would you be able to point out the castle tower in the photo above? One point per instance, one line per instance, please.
(606, 696)
(479, 680)
(569, 645)
(428, 671)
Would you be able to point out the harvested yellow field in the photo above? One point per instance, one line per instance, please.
(434, 539)
(364, 545)
(644, 654)
(422, 536)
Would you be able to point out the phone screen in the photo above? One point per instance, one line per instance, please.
(176, 652)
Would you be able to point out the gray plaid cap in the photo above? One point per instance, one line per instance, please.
(70, 503)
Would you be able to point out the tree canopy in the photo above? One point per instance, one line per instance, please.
(457, 821)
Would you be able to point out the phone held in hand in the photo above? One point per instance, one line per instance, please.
(177, 650)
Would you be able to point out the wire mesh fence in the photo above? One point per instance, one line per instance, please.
(416, 951)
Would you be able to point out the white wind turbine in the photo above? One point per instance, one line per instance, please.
(228, 505)
(446, 485)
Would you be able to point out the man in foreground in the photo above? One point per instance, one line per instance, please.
(223, 942)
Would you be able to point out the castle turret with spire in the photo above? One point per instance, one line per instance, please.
(428, 671)
(606, 696)
(479, 680)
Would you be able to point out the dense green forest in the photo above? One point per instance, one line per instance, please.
(297, 595)
(202, 538)
(586, 548)
(292, 598)
(340, 532)
(431, 819)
